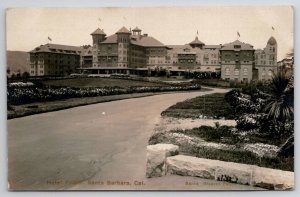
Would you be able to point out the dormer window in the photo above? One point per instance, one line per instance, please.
(237, 46)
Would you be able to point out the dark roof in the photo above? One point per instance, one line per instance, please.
(230, 46)
(123, 30)
(111, 39)
(58, 48)
(212, 46)
(136, 29)
(146, 41)
(183, 49)
(98, 32)
(272, 41)
(196, 41)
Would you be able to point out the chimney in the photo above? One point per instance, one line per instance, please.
(145, 35)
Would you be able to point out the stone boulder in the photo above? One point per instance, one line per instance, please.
(234, 172)
(190, 166)
(273, 179)
(156, 158)
(209, 169)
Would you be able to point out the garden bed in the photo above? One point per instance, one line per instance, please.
(19, 94)
(224, 144)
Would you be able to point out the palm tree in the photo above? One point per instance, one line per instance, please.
(280, 105)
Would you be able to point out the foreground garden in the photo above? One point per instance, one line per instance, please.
(30, 97)
(263, 134)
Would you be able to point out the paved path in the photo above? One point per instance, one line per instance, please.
(90, 146)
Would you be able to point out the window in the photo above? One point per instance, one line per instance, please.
(245, 71)
(227, 71)
(270, 72)
(263, 73)
(237, 46)
(236, 72)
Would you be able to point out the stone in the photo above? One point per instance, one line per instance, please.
(231, 172)
(273, 179)
(209, 169)
(190, 166)
(234, 172)
(156, 158)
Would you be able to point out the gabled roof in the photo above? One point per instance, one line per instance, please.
(58, 48)
(182, 49)
(123, 30)
(146, 41)
(111, 39)
(98, 32)
(217, 46)
(196, 42)
(230, 46)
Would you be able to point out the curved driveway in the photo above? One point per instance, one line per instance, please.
(100, 142)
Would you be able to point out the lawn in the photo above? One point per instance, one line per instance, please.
(100, 83)
(212, 105)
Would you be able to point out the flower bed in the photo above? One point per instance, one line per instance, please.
(20, 93)
(206, 142)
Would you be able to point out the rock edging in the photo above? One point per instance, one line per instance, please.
(163, 159)
(231, 172)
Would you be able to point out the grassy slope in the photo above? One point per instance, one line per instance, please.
(100, 82)
(212, 105)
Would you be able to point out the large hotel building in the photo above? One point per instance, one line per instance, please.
(131, 52)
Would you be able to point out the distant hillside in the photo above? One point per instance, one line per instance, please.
(18, 60)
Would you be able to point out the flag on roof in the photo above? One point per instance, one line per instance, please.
(238, 34)
(273, 28)
(49, 38)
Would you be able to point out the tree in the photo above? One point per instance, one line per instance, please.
(280, 105)
(25, 75)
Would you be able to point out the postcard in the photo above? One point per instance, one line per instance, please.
(150, 98)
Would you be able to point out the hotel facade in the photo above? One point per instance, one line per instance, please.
(131, 52)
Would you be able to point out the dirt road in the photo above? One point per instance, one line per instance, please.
(100, 146)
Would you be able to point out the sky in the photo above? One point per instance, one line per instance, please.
(27, 28)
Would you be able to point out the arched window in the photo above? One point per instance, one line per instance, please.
(236, 72)
(227, 71)
(245, 71)
(270, 72)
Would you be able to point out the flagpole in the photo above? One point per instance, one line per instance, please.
(238, 35)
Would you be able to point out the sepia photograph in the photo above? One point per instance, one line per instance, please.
(150, 98)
